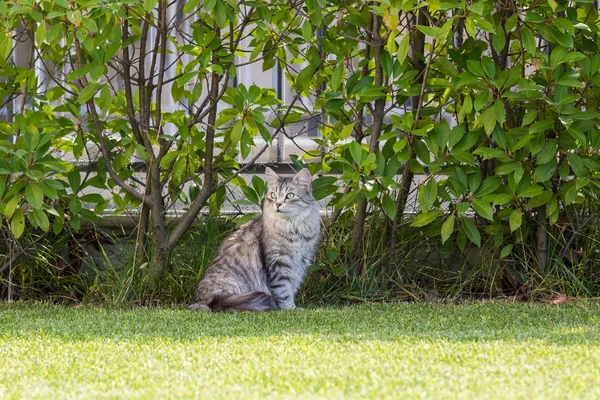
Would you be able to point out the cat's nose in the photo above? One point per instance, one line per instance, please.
(277, 205)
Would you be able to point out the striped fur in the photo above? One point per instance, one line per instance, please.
(261, 266)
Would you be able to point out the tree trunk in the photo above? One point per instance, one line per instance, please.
(378, 114)
(542, 240)
(141, 242)
(417, 48)
(160, 249)
(155, 269)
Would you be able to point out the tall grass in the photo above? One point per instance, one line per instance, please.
(423, 269)
(106, 272)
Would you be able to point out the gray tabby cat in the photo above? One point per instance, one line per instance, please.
(260, 266)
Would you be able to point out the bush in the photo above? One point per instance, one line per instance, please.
(492, 105)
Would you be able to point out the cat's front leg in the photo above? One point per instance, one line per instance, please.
(283, 292)
(284, 299)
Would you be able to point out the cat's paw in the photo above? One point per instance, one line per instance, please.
(198, 307)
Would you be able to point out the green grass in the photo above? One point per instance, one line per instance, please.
(478, 350)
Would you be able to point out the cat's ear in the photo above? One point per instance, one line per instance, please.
(272, 177)
(304, 179)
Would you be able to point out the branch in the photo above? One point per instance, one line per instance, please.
(128, 92)
(99, 132)
(161, 69)
(22, 250)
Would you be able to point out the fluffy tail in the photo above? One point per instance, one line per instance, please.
(253, 301)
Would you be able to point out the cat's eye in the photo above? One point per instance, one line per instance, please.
(290, 196)
(273, 195)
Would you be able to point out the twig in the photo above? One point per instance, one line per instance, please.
(16, 254)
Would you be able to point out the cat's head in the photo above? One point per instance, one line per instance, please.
(288, 196)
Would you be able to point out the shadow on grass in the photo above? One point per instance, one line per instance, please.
(482, 322)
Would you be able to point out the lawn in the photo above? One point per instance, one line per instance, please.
(478, 350)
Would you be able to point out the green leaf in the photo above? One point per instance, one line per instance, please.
(149, 5)
(356, 151)
(471, 231)
(577, 165)
(92, 198)
(105, 99)
(78, 146)
(502, 198)
(487, 119)
(75, 222)
(447, 228)
(463, 156)
(483, 208)
(6, 45)
(74, 178)
(499, 39)
(40, 33)
(346, 131)
(434, 32)
(552, 206)
(259, 185)
(506, 250)
(425, 218)
(88, 92)
(400, 145)
(403, 49)
(528, 40)
(17, 223)
(531, 191)
(544, 172)
(34, 195)
(42, 219)
(475, 68)
(166, 160)
(529, 117)
(75, 204)
(347, 198)
(304, 78)
(265, 134)
(488, 186)
(541, 126)
(236, 132)
(500, 112)
(307, 32)
(324, 186)
(333, 105)
(489, 67)
(481, 100)
(515, 220)
(193, 192)
(558, 56)
(209, 5)
(466, 108)
(547, 153)
(540, 199)
(142, 153)
(505, 169)
(59, 222)
(337, 76)
(389, 206)
(429, 193)
(251, 194)
(463, 207)
(11, 206)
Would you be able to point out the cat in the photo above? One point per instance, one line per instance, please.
(260, 266)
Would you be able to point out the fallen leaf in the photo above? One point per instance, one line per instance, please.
(557, 298)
